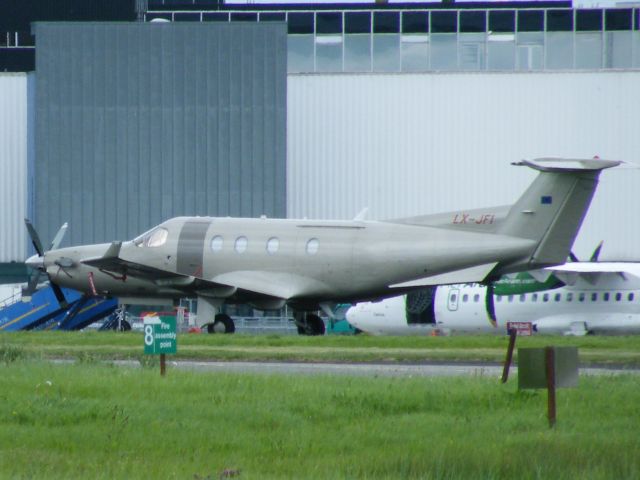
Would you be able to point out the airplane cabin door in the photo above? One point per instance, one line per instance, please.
(452, 299)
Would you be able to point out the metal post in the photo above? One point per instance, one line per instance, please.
(513, 333)
(163, 364)
(549, 355)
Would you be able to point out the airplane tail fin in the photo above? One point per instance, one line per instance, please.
(551, 210)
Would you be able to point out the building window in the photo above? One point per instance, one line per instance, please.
(386, 22)
(444, 22)
(313, 245)
(216, 243)
(328, 23)
(589, 20)
(502, 21)
(300, 22)
(357, 22)
(415, 22)
(559, 20)
(241, 244)
(473, 21)
(617, 19)
(272, 245)
(531, 21)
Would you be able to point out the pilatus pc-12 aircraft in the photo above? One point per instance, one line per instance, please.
(313, 265)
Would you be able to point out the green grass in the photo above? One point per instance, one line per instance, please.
(360, 348)
(90, 420)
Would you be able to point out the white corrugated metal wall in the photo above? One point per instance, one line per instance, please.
(408, 144)
(13, 166)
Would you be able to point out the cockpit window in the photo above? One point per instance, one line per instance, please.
(155, 238)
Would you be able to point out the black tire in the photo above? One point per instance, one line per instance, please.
(222, 324)
(315, 325)
(124, 326)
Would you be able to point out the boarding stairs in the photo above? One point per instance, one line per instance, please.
(43, 311)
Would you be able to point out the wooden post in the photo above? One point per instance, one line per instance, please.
(513, 333)
(163, 364)
(551, 385)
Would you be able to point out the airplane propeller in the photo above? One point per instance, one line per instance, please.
(36, 262)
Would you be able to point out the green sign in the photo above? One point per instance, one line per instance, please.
(160, 335)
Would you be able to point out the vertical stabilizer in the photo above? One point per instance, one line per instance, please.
(551, 210)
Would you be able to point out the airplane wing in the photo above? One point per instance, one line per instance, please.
(592, 271)
(111, 262)
(465, 275)
(273, 284)
(278, 285)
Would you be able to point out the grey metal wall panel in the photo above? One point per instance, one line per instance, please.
(137, 123)
(408, 144)
(13, 166)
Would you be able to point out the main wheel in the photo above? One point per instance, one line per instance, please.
(222, 324)
(315, 325)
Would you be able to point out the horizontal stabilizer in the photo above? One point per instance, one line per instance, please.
(466, 275)
(592, 271)
(569, 164)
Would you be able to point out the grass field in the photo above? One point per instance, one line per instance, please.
(360, 348)
(91, 420)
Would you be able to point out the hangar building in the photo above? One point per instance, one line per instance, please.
(401, 108)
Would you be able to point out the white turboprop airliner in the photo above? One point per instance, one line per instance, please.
(602, 297)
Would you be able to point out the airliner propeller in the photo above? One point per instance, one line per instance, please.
(36, 262)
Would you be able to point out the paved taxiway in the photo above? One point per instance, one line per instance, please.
(364, 369)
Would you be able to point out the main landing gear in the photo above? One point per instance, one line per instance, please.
(309, 324)
(222, 324)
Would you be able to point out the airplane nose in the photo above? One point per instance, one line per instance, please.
(35, 261)
(352, 317)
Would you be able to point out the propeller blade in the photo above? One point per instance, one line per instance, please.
(35, 239)
(596, 252)
(59, 295)
(59, 236)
